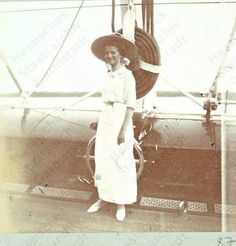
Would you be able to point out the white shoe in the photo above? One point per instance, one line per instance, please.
(96, 206)
(120, 213)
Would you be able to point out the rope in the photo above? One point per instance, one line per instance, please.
(113, 17)
(147, 16)
(144, 14)
(54, 58)
(150, 25)
(152, 19)
(129, 23)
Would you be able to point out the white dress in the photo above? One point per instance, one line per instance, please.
(115, 169)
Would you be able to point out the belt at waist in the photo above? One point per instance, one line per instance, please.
(111, 103)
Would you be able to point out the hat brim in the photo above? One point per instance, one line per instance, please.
(127, 48)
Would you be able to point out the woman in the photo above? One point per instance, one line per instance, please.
(115, 170)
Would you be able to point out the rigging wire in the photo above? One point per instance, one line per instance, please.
(54, 58)
(19, 87)
(57, 117)
(56, 109)
(46, 115)
(150, 11)
(119, 5)
(214, 87)
(187, 94)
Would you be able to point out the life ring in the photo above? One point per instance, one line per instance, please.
(149, 52)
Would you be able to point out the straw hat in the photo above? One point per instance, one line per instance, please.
(145, 49)
(126, 48)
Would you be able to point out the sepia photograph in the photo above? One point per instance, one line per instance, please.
(118, 116)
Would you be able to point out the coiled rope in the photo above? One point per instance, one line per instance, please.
(147, 67)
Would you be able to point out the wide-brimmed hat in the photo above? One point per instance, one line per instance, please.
(126, 48)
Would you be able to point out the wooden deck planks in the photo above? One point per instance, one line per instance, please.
(34, 214)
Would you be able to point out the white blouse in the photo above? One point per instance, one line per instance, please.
(120, 87)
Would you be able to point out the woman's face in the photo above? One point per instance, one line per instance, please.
(112, 55)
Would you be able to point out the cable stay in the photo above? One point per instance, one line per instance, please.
(19, 87)
(118, 5)
(213, 95)
(185, 93)
(147, 14)
(28, 94)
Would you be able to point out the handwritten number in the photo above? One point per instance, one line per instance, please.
(229, 241)
(219, 240)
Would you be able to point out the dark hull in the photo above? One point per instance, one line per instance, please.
(182, 153)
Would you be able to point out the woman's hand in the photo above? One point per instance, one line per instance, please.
(94, 125)
(125, 125)
(121, 137)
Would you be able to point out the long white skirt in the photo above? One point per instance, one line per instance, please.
(115, 169)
